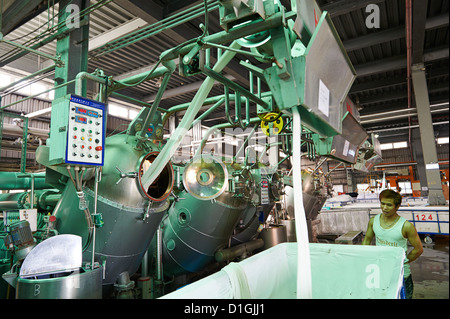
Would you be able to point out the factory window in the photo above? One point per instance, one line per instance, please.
(36, 88)
(117, 110)
(27, 90)
(400, 145)
(132, 114)
(122, 111)
(5, 79)
(442, 140)
(406, 187)
(338, 189)
(389, 146)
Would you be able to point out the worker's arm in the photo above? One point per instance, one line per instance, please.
(369, 233)
(410, 231)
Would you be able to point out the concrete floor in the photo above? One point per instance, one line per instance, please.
(430, 270)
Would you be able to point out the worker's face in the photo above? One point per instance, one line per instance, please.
(388, 207)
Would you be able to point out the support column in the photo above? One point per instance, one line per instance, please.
(73, 47)
(435, 193)
(351, 184)
(418, 157)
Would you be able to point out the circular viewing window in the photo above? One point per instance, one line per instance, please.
(162, 186)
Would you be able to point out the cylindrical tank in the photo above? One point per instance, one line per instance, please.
(273, 235)
(313, 199)
(130, 213)
(264, 198)
(195, 229)
(84, 284)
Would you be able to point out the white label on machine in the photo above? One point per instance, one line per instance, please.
(29, 215)
(324, 98)
(86, 132)
(345, 150)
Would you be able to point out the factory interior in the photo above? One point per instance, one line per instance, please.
(221, 149)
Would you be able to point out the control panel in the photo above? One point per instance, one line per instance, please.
(77, 131)
(85, 132)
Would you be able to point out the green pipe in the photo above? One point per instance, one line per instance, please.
(235, 33)
(56, 59)
(87, 76)
(249, 136)
(184, 106)
(13, 180)
(139, 78)
(34, 95)
(155, 105)
(2, 89)
(208, 111)
(218, 127)
(136, 101)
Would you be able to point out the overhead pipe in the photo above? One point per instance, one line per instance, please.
(168, 66)
(79, 80)
(218, 127)
(275, 20)
(44, 70)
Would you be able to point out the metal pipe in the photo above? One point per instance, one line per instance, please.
(249, 136)
(44, 70)
(209, 111)
(97, 180)
(136, 101)
(184, 106)
(216, 127)
(238, 250)
(56, 59)
(89, 76)
(156, 102)
(145, 76)
(235, 33)
(159, 270)
(153, 29)
(16, 180)
(34, 95)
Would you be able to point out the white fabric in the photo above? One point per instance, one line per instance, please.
(338, 272)
(238, 281)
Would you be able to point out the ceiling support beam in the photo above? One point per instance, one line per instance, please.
(384, 36)
(396, 62)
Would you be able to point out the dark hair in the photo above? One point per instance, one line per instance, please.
(389, 193)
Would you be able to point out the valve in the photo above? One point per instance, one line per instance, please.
(124, 175)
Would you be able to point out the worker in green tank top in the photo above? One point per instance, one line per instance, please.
(390, 229)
